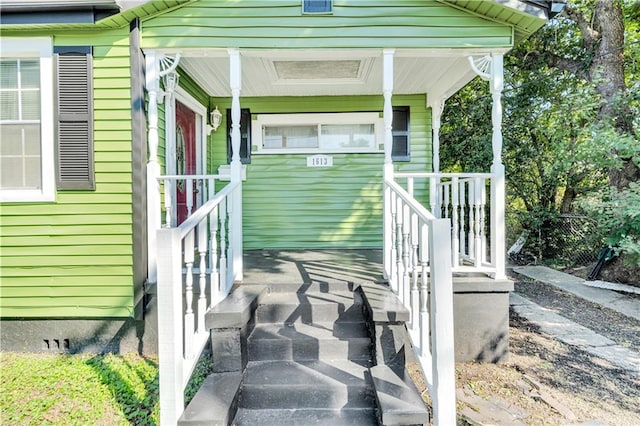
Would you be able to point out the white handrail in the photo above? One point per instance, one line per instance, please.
(183, 301)
(421, 278)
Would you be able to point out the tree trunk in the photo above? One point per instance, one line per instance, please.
(607, 72)
(567, 200)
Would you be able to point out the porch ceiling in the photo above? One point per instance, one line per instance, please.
(439, 74)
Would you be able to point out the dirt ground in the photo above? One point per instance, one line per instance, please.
(546, 382)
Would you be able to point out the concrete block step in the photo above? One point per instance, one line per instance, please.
(350, 373)
(306, 384)
(399, 401)
(308, 308)
(215, 402)
(315, 287)
(310, 395)
(318, 341)
(297, 417)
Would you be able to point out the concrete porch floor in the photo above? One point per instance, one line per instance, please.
(312, 266)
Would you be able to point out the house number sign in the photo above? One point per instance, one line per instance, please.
(320, 161)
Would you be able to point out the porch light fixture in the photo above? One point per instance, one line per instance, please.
(170, 81)
(215, 118)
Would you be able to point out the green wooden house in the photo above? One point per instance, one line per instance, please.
(130, 128)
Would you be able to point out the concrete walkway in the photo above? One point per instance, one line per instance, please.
(626, 305)
(570, 332)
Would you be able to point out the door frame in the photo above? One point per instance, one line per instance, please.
(200, 111)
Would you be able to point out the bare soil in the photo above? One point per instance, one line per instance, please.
(546, 382)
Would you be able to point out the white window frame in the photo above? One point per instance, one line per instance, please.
(262, 120)
(42, 48)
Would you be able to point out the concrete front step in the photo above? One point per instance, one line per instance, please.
(306, 384)
(306, 342)
(316, 417)
(308, 308)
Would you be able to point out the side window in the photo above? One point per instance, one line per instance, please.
(74, 120)
(245, 136)
(401, 141)
(26, 119)
(317, 6)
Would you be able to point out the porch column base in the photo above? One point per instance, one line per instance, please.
(481, 334)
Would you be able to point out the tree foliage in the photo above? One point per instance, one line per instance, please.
(571, 120)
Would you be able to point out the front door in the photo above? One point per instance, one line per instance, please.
(185, 160)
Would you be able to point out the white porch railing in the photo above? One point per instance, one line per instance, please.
(199, 247)
(196, 188)
(462, 199)
(420, 274)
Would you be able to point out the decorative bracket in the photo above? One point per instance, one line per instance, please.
(168, 64)
(482, 66)
(167, 73)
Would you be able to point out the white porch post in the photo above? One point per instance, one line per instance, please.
(153, 167)
(387, 115)
(437, 107)
(498, 192)
(235, 77)
(491, 68)
(155, 62)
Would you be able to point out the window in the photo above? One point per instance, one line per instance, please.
(315, 133)
(400, 150)
(32, 124)
(26, 122)
(316, 6)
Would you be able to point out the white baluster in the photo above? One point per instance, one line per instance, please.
(399, 248)
(168, 197)
(471, 242)
(189, 195)
(415, 297)
(188, 316)
(455, 225)
(424, 298)
(230, 235)
(461, 238)
(394, 252)
(406, 254)
(213, 256)
(477, 202)
(202, 250)
(410, 185)
(445, 204)
(483, 214)
(213, 246)
(433, 195)
(222, 212)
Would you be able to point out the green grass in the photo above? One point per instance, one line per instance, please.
(82, 389)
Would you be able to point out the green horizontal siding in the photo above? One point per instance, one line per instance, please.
(353, 24)
(289, 205)
(73, 257)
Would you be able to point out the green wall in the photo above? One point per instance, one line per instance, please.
(280, 24)
(289, 205)
(73, 257)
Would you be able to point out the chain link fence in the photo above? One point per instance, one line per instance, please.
(564, 240)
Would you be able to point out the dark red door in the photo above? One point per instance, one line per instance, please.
(185, 159)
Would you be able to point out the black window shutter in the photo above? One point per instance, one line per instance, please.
(74, 123)
(400, 150)
(316, 6)
(245, 136)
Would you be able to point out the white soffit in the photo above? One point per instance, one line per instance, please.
(307, 73)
